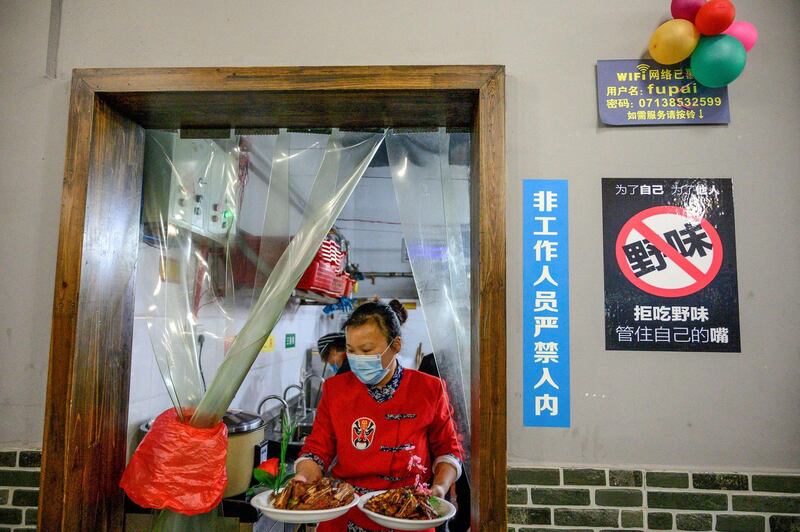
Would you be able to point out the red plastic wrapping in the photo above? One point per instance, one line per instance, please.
(178, 467)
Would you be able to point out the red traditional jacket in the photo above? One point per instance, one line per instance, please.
(372, 433)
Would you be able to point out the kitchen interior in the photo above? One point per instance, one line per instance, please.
(256, 185)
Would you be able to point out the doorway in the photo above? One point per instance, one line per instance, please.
(90, 358)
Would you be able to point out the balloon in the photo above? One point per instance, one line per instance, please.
(718, 60)
(673, 41)
(745, 32)
(686, 9)
(715, 17)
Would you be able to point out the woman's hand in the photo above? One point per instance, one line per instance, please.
(307, 471)
(444, 475)
(437, 490)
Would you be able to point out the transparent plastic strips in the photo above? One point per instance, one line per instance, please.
(346, 157)
(226, 236)
(432, 192)
(184, 177)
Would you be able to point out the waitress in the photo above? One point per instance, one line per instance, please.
(375, 419)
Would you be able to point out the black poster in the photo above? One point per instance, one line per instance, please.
(669, 251)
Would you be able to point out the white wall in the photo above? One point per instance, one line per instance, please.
(32, 140)
(699, 410)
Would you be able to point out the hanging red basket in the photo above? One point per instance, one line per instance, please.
(324, 275)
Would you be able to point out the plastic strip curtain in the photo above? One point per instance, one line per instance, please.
(178, 172)
(271, 210)
(433, 199)
(346, 158)
(264, 167)
(191, 265)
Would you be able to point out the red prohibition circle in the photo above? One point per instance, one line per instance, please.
(702, 279)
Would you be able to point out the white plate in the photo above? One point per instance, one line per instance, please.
(441, 506)
(262, 502)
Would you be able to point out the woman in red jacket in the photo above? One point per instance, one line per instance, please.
(375, 419)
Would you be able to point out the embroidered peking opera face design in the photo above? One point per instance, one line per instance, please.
(363, 433)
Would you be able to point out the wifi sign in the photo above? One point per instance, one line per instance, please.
(638, 92)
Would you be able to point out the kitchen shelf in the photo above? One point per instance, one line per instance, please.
(313, 298)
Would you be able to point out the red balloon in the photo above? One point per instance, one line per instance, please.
(686, 9)
(715, 17)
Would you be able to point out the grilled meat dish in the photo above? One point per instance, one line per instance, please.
(402, 503)
(321, 495)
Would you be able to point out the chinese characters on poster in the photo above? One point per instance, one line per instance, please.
(669, 250)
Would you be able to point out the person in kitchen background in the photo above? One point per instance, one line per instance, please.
(379, 417)
(333, 352)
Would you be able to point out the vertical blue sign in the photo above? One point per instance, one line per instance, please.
(545, 279)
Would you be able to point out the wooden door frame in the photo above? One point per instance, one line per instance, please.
(90, 349)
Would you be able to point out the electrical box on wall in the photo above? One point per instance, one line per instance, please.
(205, 174)
(194, 181)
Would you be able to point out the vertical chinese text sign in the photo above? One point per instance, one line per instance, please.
(545, 277)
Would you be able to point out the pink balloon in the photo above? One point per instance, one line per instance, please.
(744, 31)
(686, 9)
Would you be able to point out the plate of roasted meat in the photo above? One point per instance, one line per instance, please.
(307, 502)
(406, 509)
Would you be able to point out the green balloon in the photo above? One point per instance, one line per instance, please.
(718, 60)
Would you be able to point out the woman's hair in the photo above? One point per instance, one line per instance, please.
(388, 318)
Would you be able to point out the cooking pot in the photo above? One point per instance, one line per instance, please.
(245, 431)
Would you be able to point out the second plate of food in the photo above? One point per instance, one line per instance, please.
(404, 509)
(298, 502)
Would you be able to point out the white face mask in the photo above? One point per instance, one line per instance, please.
(369, 368)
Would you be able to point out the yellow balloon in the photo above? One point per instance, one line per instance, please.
(673, 41)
